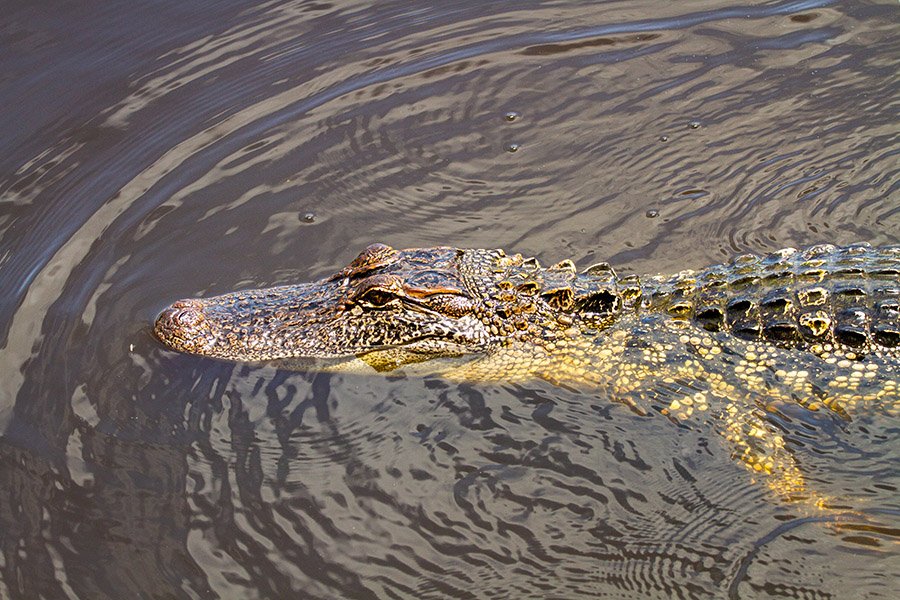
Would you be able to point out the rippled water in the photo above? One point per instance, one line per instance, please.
(158, 150)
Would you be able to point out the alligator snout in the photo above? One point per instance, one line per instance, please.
(183, 326)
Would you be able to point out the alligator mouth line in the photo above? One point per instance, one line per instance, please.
(410, 347)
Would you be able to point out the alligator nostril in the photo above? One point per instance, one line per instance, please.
(183, 316)
(183, 326)
(190, 317)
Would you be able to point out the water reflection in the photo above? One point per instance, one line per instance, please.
(178, 151)
(321, 485)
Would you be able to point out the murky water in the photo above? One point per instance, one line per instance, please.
(158, 150)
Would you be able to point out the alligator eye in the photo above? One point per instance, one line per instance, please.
(376, 297)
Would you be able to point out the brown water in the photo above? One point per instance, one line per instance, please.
(159, 150)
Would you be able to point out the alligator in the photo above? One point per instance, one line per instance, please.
(732, 344)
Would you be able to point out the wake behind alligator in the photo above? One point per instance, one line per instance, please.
(818, 328)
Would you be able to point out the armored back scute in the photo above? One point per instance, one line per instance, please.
(819, 297)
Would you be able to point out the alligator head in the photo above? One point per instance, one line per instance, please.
(388, 307)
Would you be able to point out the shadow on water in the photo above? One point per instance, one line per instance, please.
(154, 151)
(217, 480)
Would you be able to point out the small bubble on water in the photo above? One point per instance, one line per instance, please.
(511, 116)
(512, 147)
(652, 213)
(308, 217)
(694, 124)
(664, 138)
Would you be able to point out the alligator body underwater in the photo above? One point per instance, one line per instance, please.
(818, 328)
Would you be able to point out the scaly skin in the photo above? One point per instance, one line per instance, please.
(819, 328)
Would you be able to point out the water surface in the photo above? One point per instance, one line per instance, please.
(159, 150)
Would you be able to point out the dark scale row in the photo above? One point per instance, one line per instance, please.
(849, 296)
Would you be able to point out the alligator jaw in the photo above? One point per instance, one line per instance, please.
(184, 327)
(255, 325)
(366, 311)
(394, 307)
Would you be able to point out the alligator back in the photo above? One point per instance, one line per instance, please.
(818, 299)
